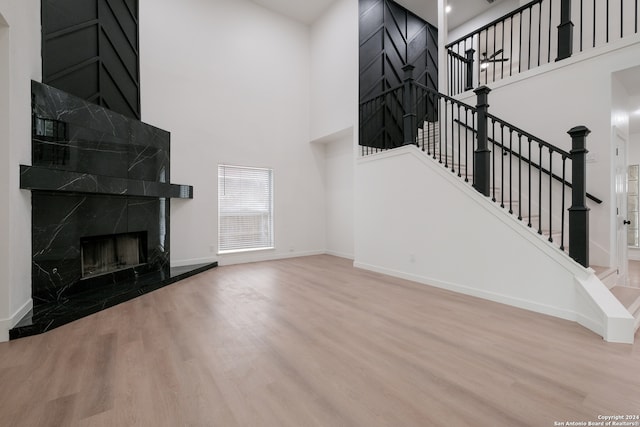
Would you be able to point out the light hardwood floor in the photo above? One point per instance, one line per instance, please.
(314, 342)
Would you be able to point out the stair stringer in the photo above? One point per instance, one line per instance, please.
(412, 216)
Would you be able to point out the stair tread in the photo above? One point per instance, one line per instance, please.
(603, 272)
(629, 297)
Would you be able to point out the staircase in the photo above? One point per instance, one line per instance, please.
(428, 139)
(532, 182)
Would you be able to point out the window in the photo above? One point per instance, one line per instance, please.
(245, 208)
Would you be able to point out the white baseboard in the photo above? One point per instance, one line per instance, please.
(341, 255)
(6, 324)
(247, 257)
(474, 292)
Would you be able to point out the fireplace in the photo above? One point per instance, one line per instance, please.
(107, 254)
(100, 204)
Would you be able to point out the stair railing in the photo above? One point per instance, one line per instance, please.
(535, 34)
(523, 173)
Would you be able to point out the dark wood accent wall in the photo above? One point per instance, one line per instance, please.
(90, 49)
(390, 37)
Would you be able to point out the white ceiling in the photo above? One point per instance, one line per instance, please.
(307, 11)
(461, 10)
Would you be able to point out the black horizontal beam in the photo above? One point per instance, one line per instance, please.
(47, 179)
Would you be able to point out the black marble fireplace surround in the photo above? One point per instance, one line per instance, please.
(94, 173)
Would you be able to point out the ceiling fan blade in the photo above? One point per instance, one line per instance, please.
(496, 53)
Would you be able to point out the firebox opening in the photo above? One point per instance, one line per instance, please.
(107, 254)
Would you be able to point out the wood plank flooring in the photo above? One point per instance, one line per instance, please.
(314, 342)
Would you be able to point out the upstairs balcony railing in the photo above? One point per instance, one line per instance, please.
(530, 178)
(537, 33)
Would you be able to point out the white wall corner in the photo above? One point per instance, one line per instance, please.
(7, 324)
(598, 310)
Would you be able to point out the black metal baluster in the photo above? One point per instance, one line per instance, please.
(466, 145)
(502, 166)
(493, 166)
(539, 29)
(511, 46)
(549, 47)
(529, 47)
(529, 224)
(459, 152)
(550, 198)
(564, 179)
(502, 47)
(621, 18)
(636, 20)
(581, 24)
(439, 131)
(458, 72)
(540, 190)
(607, 32)
(520, 45)
(520, 177)
(450, 82)
(474, 146)
(594, 23)
(511, 171)
(453, 142)
(486, 50)
(446, 121)
(478, 69)
(494, 51)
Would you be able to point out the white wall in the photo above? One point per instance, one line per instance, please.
(334, 115)
(230, 81)
(450, 237)
(491, 14)
(334, 69)
(582, 95)
(339, 195)
(19, 64)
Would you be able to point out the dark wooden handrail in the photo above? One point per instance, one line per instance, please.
(521, 157)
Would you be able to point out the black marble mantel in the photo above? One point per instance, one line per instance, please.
(94, 172)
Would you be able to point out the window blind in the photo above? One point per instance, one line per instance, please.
(245, 208)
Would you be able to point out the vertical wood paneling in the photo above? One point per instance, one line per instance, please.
(90, 49)
(390, 37)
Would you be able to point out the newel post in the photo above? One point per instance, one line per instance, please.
(579, 212)
(482, 155)
(409, 107)
(469, 83)
(565, 31)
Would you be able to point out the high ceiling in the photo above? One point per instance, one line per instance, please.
(461, 10)
(307, 11)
